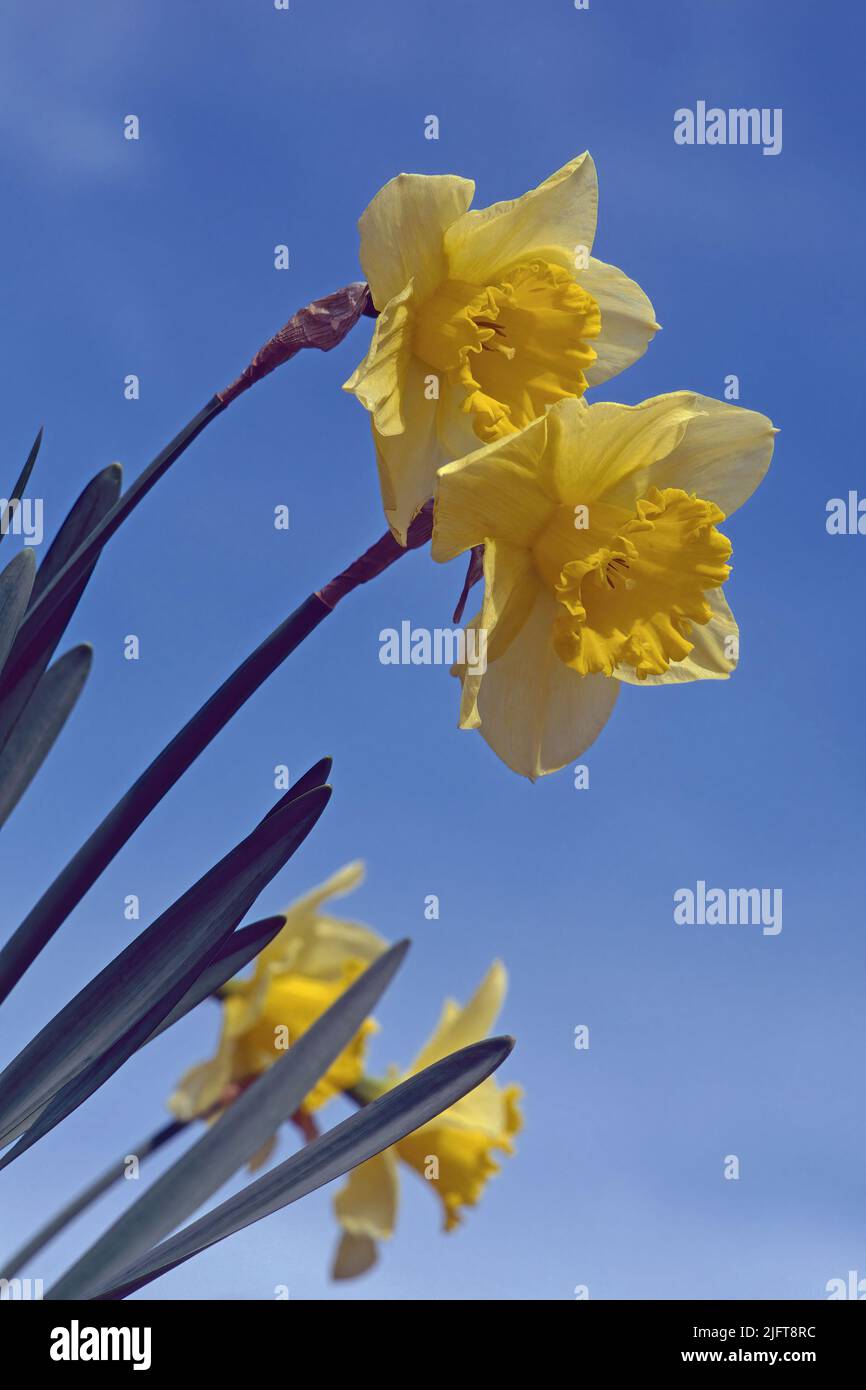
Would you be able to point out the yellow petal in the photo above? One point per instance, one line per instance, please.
(201, 1086)
(723, 454)
(304, 945)
(262, 1155)
(457, 1159)
(454, 426)
(490, 1108)
(354, 1256)
(408, 462)
(344, 881)
(336, 941)
(293, 1004)
(534, 711)
(498, 491)
(367, 1205)
(714, 654)
(605, 452)
(510, 588)
(379, 381)
(549, 222)
(628, 320)
(470, 686)
(243, 1005)
(402, 232)
(459, 1027)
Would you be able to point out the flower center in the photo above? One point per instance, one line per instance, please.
(631, 584)
(513, 348)
(290, 1006)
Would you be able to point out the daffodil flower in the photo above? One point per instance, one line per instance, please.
(454, 1152)
(486, 318)
(311, 961)
(602, 562)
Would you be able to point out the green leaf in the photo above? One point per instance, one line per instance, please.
(37, 729)
(16, 583)
(126, 1002)
(239, 1133)
(18, 490)
(25, 667)
(98, 851)
(379, 1125)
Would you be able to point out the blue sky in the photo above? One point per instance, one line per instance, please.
(261, 127)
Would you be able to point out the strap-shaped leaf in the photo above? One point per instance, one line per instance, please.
(97, 498)
(153, 972)
(233, 955)
(78, 566)
(94, 1074)
(242, 1129)
(236, 952)
(16, 584)
(379, 1125)
(25, 667)
(107, 1179)
(316, 776)
(40, 724)
(244, 945)
(18, 490)
(98, 851)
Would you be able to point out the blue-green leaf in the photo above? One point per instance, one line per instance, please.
(379, 1125)
(247, 1124)
(16, 584)
(40, 724)
(128, 1000)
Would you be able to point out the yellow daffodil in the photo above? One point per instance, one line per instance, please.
(602, 562)
(454, 1151)
(486, 317)
(311, 961)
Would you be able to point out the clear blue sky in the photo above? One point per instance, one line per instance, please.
(156, 257)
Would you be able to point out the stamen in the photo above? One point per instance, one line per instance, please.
(488, 323)
(619, 567)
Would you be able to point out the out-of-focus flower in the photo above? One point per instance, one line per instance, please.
(602, 562)
(454, 1151)
(312, 960)
(485, 319)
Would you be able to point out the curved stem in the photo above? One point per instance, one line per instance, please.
(168, 767)
(53, 595)
(87, 1197)
(322, 324)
